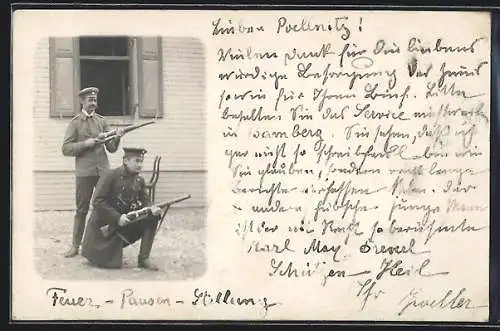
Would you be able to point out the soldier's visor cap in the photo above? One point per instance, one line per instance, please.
(88, 91)
(134, 151)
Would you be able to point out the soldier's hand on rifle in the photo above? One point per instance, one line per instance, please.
(120, 132)
(156, 211)
(101, 136)
(90, 142)
(124, 220)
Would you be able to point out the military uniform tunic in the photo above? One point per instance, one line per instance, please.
(88, 161)
(118, 192)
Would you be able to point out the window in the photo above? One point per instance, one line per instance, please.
(105, 63)
(127, 71)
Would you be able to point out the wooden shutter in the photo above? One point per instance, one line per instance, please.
(150, 77)
(63, 77)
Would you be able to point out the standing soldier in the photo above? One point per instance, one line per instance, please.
(83, 141)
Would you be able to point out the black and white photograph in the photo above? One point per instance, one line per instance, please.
(284, 165)
(119, 164)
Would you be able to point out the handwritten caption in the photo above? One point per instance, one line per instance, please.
(59, 297)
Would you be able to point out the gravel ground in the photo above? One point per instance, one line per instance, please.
(179, 249)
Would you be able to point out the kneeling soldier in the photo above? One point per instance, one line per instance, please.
(117, 193)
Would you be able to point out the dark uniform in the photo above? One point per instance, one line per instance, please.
(90, 163)
(118, 192)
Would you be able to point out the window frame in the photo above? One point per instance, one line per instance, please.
(135, 57)
(113, 120)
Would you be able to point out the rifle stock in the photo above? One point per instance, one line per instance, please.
(137, 215)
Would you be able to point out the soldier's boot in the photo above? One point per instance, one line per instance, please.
(145, 250)
(78, 229)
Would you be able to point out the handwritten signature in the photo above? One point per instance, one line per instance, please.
(450, 300)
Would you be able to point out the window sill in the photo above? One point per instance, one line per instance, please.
(119, 120)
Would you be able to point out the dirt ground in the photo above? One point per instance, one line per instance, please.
(179, 250)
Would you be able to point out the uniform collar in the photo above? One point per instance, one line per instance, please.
(86, 115)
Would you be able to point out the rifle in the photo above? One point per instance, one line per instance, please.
(136, 215)
(112, 134)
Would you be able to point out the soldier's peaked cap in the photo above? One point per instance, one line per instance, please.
(88, 91)
(134, 151)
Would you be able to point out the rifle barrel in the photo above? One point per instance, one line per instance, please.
(136, 126)
(171, 202)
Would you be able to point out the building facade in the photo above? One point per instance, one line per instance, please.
(140, 79)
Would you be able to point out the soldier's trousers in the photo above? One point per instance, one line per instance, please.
(84, 189)
(143, 230)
